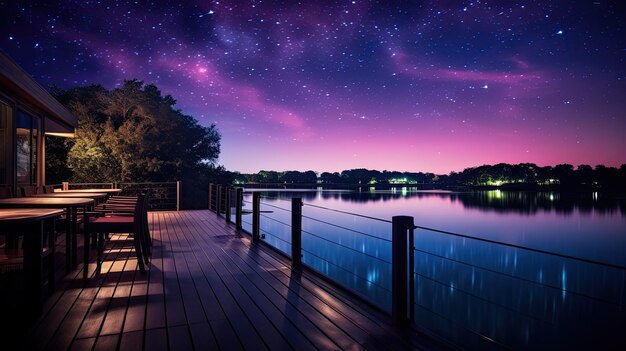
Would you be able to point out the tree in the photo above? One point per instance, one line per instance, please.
(330, 178)
(584, 174)
(564, 173)
(134, 134)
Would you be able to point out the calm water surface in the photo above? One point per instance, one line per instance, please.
(474, 293)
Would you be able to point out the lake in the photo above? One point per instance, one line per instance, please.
(474, 293)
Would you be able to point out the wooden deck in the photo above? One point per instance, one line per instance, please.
(208, 288)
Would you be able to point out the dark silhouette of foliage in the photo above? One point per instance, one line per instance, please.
(523, 175)
(135, 134)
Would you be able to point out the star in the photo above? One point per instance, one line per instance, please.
(288, 71)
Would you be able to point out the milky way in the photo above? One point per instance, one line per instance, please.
(412, 86)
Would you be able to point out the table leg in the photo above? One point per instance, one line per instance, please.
(33, 266)
(68, 240)
(75, 237)
(52, 243)
(86, 246)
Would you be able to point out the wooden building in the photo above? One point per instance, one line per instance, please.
(28, 113)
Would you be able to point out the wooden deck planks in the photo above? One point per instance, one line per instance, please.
(360, 325)
(329, 321)
(208, 287)
(155, 306)
(262, 312)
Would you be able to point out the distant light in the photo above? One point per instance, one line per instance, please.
(11, 38)
(559, 32)
(485, 86)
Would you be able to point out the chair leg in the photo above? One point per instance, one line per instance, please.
(147, 230)
(138, 251)
(145, 236)
(145, 245)
(100, 251)
(52, 241)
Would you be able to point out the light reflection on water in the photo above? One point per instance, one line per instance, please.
(467, 290)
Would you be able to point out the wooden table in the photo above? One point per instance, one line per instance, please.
(32, 221)
(71, 206)
(107, 191)
(99, 197)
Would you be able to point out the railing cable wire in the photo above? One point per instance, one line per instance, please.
(349, 213)
(347, 247)
(483, 299)
(275, 236)
(346, 228)
(464, 327)
(280, 208)
(520, 278)
(344, 269)
(524, 248)
(276, 220)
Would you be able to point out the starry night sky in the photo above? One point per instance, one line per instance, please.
(328, 85)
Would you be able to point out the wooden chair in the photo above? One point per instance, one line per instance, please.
(6, 192)
(12, 258)
(117, 223)
(11, 238)
(48, 189)
(25, 191)
(125, 205)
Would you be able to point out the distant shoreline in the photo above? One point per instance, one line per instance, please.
(381, 186)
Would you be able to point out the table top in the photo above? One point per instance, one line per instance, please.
(73, 195)
(107, 191)
(45, 202)
(17, 215)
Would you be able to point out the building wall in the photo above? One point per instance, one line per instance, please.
(22, 143)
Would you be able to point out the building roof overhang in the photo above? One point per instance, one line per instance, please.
(17, 82)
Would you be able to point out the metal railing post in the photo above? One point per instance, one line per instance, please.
(296, 231)
(218, 201)
(239, 209)
(178, 195)
(400, 271)
(210, 196)
(229, 191)
(256, 215)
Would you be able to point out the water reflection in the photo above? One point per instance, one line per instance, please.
(519, 298)
(488, 200)
(474, 293)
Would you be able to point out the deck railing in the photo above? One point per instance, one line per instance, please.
(470, 291)
(163, 195)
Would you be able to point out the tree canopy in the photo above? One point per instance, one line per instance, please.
(132, 134)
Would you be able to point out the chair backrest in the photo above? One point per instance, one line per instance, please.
(140, 208)
(28, 190)
(6, 192)
(48, 189)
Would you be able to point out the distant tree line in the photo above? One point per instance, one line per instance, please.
(499, 175)
(134, 134)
